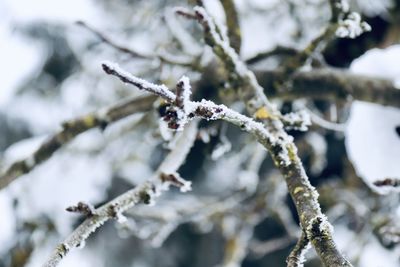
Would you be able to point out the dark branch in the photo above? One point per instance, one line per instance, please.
(332, 84)
(232, 21)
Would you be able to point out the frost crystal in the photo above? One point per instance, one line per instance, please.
(178, 115)
(121, 218)
(352, 26)
(343, 5)
(319, 226)
(297, 120)
(160, 90)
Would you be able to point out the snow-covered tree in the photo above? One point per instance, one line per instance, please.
(212, 133)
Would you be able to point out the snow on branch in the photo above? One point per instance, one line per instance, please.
(352, 26)
(278, 142)
(143, 193)
(126, 77)
(204, 109)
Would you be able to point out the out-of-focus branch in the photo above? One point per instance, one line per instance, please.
(190, 62)
(320, 84)
(390, 182)
(277, 51)
(282, 148)
(72, 128)
(232, 21)
(112, 43)
(317, 44)
(296, 257)
(332, 84)
(145, 193)
(339, 8)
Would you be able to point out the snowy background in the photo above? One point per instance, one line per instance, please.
(50, 72)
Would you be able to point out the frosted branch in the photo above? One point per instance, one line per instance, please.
(279, 144)
(83, 208)
(352, 26)
(143, 193)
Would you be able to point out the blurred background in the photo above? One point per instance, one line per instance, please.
(239, 212)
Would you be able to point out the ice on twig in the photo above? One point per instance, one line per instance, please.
(176, 180)
(352, 26)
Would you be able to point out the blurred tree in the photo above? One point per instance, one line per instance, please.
(74, 138)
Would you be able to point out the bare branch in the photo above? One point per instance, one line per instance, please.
(112, 43)
(277, 51)
(332, 84)
(232, 21)
(296, 257)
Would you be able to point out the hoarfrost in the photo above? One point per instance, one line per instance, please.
(160, 90)
(299, 120)
(352, 26)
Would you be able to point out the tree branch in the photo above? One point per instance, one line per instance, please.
(145, 193)
(332, 84)
(72, 128)
(280, 145)
(277, 51)
(232, 21)
(112, 43)
(296, 257)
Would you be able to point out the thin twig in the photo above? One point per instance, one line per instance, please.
(145, 192)
(296, 257)
(112, 43)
